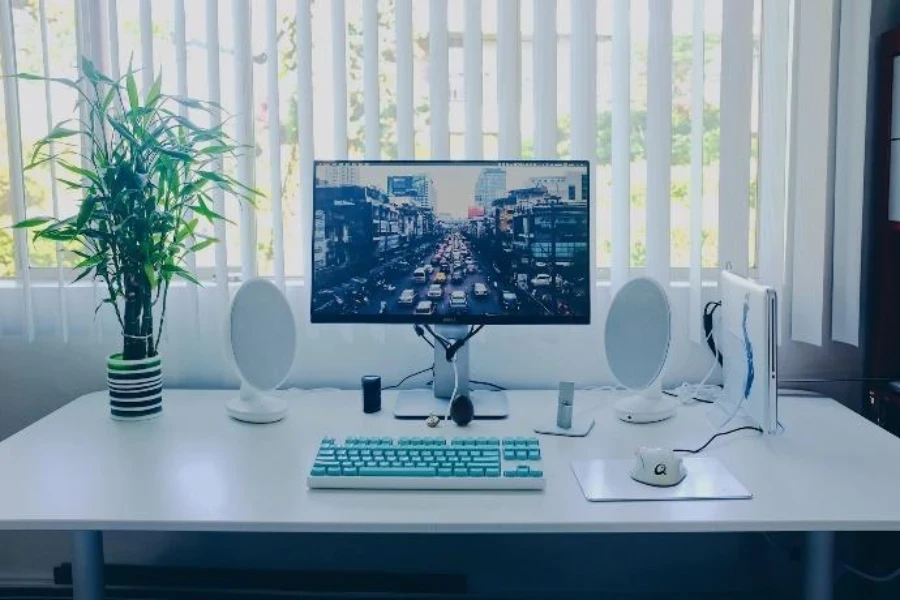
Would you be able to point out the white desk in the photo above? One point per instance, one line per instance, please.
(194, 469)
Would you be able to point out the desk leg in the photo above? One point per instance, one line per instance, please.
(87, 566)
(818, 583)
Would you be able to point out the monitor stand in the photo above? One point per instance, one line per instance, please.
(419, 404)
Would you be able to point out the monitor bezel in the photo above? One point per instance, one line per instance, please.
(388, 319)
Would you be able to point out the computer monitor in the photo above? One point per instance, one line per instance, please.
(496, 243)
(451, 243)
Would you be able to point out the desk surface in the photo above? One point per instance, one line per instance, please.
(195, 469)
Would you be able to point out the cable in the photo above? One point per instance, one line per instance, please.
(721, 433)
(499, 388)
(694, 398)
(708, 311)
(872, 578)
(455, 388)
(402, 381)
(420, 331)
(797, 555)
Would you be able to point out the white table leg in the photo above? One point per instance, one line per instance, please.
(818, 582)
(87, 566)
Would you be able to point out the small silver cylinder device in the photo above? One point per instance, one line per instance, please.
(566, 401)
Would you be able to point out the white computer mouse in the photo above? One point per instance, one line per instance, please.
(659, 467)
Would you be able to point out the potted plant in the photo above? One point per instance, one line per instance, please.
(144, 174)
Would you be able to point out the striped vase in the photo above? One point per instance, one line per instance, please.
(135, 388)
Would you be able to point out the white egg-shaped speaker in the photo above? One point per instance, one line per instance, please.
(262, 338)
(638, 335)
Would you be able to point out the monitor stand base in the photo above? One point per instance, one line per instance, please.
(419, 404)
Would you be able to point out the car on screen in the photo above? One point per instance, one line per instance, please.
(457, 277)
(407, 296)
(480, 290)
(435, 291)
(424, 307)
(471, 268)
(510, 301)
(420, 275)
(541, 280)
(458, 301)
(440, 278)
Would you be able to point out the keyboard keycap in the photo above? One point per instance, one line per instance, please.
(492, 472)
(333, 470)
(534, 455)
(318, 471)
(401, 472)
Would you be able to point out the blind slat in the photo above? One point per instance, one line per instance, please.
(273, 102)
(16, 174)
(54, 190)
(305, 130)
(370, 72)
(112, 17)
(775, 58)
(146, 26)
(584, 79)
(509, 73)
(850, 169)
(544, 60)
(339, 71)
(405, 132)
(621, 143)
(810, 136)
(473, 52)
(659, 138)
(439, 79)
(246, 162)
(182, 89)
(734, 167)
(695, 307)
(215, 120)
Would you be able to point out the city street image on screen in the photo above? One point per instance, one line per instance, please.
(451, 242)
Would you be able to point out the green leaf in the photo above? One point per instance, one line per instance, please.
(79, 171)
(91, 261)
(151, 275)
(171, 269)
(201, 245)
(153, 94)
(60, 132)
(131, 87)
(187, 230)
(121, 130)
(33, 222)
(204, 211)
(85, 211)
(84, 274)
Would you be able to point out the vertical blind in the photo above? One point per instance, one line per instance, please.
(673, 101)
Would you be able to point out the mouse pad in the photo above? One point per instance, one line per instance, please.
(609, 480)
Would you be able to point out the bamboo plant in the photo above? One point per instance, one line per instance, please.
(145, 176)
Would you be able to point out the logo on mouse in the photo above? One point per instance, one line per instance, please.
(660, 469)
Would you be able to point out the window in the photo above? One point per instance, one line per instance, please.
(339, 102)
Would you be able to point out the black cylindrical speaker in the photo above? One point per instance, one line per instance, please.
(371, 389)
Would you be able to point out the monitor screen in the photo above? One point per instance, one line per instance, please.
(451, 242)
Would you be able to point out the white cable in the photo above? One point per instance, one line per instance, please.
(873, 578)
(695, 390)
(455, 387)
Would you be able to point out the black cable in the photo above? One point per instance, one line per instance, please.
(695, 398)
(408, 377)
(420, 331)
(708, 311)
(721, 433)
(838, 380)
(499, 388)
(451, 348)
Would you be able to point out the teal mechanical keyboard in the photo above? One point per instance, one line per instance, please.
(428, 463)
